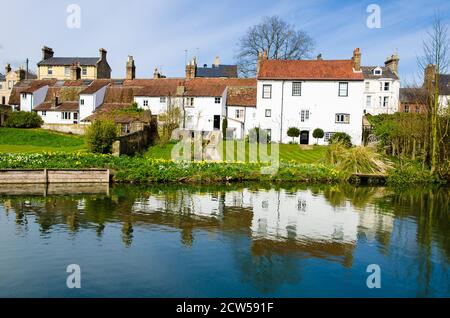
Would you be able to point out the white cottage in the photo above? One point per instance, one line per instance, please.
(382, 87)
(310, 94)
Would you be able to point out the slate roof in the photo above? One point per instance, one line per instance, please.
(229, 71)
(413, 95)
(308, 70)
(386, 72)
(68, 61)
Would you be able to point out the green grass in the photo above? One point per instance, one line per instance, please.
(17, 140)
(288, 152)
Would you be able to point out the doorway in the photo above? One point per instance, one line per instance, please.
(304, 137)
(216, 122)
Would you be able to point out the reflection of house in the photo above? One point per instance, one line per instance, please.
(51, 67)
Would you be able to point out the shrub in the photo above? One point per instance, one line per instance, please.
(356, 160)
(100, 136)
(293, 132)
(318, 134)
(23, 120)
(342, 138)
(224, 128)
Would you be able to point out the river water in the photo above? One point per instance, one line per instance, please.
(224, 241)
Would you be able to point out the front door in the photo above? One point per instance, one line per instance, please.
(216, 122)
(304, 137)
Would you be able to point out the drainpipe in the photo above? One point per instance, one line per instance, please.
(282, 105)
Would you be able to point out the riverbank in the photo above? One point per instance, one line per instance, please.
(141, 169)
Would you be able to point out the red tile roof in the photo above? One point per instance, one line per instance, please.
(241, 96)
(200, 87)
(63, 106)
(308, 70)
(95, 86)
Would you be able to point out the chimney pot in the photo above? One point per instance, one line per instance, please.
(357, 59)
(7, 68)
(47, 52)
(217, 61)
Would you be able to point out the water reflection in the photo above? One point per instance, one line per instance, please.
(269, 229)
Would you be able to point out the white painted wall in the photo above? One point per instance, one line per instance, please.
(242, 124)
(56, 117)
(375, 107)
(91, 102)
(30, 100)
(320, 98)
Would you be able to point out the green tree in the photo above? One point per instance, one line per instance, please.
(23, 119)
(318, 134)
(293, 132)
(100, 136)
(342, 138)
(224, 128)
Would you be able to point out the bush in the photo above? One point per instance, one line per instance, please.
(318, 134)
(341, 137)
(100, 136)
(293, 132)
(23, 120)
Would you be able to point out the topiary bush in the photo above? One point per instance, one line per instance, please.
(293, 132)
(342, 138)
(100, 136)
(318, 134)
(23, 119)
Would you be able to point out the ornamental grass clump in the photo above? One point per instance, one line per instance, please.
(356, 159)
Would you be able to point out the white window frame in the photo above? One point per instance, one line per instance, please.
(66, 71)
(268, 112)
(386, 86)
(66, 115)
(84, 71)
(267, 94)
(145, 102)
(49, 70)
(385, 101)
(239, 113)
(82, 101)
(162, 100)
(367, 86)
(328, 135)
(304, 115)
(368, 100)
(189, 102)
(340, 90)
(342, 118)
(217, 100)
(44, 113)
(296, 88)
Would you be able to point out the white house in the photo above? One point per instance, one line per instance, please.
(241, 110)
(32, 96)
(310, 94)
(92, 97)
(382, 87)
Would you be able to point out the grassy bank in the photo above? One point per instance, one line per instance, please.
(16, 140)
(288, 152)
(142, 169)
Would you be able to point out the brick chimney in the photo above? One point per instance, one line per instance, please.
(7, 68)
(429, 77)
(47, 52)
(130, 69)
(21, 72)
(191, 69)
(392, 63)
(216, 61)
(261, 56)
(356, 59)
(102, 54)
(55, 101)
(75, 72)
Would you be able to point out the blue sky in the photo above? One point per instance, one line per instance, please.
(157, 33)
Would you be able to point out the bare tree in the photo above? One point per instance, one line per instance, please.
(280, 39)
(435, 58)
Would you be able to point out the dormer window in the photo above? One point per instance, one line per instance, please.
(377, 71)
